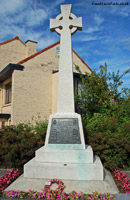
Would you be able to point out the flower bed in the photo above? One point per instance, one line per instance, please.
(47, 192)
(57, 196)
(8, 178)
(122, 181)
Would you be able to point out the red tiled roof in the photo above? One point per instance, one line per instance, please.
(7, 41)
(39, 52)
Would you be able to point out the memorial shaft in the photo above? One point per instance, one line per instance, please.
(65, 88)
(65, 24)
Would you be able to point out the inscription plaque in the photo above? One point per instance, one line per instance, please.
(64, 131)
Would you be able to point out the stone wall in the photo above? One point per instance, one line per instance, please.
(11, 52)
(34, 90)
(31, 48)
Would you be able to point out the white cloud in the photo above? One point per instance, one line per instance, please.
(59, 1)
(115, 64)
(98, 52)
(125, 42)
(119, 63)
(35, 17)
(28, 17)
(98, 19)
(107, 61)
(121, 10)
(92, 29)
(88, 38)
(44, 42)
(95, 25)
(11, 6)
(19, 17)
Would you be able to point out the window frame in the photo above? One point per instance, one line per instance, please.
(8, 93)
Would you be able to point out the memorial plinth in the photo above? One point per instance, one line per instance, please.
(65, 155)
(63, 159)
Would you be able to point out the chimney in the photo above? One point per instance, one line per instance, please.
(31, 47)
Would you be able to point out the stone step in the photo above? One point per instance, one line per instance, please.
(70, 171)
(48, 155)
(105, 186)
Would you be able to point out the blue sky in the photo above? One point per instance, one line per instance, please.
(105, 36)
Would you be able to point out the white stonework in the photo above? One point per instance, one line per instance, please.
(60, 159)
(69, 171)
(65, 24)
(86, 186)
(45, 154)
(74, 164)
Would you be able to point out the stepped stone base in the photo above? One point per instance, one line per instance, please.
(70, 171)
(65, 155)
(50, 155)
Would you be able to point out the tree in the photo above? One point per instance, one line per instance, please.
(106, 116)
(101, 92)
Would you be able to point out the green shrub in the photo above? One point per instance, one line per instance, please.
(110, 140)
(19, 143)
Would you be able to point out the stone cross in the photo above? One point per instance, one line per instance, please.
(65, 24)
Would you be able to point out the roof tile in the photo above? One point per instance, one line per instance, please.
(7, 41)
(39, 52)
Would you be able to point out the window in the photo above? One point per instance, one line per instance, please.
(2, 124)
(8, 93)
(78, 87)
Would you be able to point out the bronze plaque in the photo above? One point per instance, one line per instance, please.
(64, 131)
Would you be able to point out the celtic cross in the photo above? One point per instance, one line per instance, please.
(65, 24)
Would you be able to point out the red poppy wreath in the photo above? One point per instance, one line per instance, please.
(60, 184)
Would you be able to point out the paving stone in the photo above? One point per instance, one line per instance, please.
(122, 196)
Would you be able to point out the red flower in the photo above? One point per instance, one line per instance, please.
(60, 187)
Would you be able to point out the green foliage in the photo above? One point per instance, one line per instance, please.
(110, 140)
(121, 110)
(106, 116)
(115, 82)
(18, 143)
(96, 96)
(101, 93)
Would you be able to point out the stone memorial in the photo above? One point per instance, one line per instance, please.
(65, 155)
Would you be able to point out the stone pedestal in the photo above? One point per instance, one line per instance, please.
(65, 159)
(65, 131)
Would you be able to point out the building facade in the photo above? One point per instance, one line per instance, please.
(29, 79)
